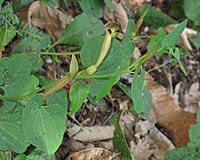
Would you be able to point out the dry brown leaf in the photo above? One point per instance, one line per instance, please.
(108, 144)
(73, 145)
(119, 14)
(187, 33)
(93, 154)
(154, 144)
(172, 118)
(127, 123)
(94, 133)
(136, 3)
(44, 17)
(140, 148)
(192, 98)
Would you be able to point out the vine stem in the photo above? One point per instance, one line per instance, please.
(160, 65)
(79, 76)
(142, 59)
(29, 95)
(60, 54)
(57, 53)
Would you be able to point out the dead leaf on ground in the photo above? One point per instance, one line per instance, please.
(187, 33)
(108, 144)
(144, 137)
(93, 154)
(73, 145)
(50, 19)
(127, 123)
(169, 116)
(192, 98)
(154, 144)
(135, 4)
(93, 133)
(119, 14)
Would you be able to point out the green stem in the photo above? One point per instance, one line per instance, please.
(142, 59)
(60, 54)
(78, 76)
(56, 54)
(143, 37)
(160, 65)
(29, 95)
(12, 98)
(40, 89)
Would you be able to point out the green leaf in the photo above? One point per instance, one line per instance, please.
(1, 1)
(194, 132)
(109, 5)
(7, 16)
(73, 65)
(15, 74)
(184, 153)
(139, 96)
(154, 17)
(93, 7)
(125, 89)
(156, 40)
(20, 157)
(128, 45)
(78, 94)
(22, 46)
(192, 10)
(3, 68)
(172, 38)
(83, 27)
(35, 155)
(33, 39)
(6, 35)
(113, 62)
(101, 87)
(19, 4)
(119, 141)
(90, 52)
(196, 40)
(32, 84)
(176, 55)
(36, 45)
(147, 98)
(44, 126)
(40, 155)
(12, 135)
(176, 10)
(5, 155)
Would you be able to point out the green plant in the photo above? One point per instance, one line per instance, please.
(33, 113)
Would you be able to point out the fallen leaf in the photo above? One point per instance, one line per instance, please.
(169, 116)
(50, 19)
(93, 154)
(93, 133)
(127, 123)
(108, 144)
(192, 98)
(140, 148)
(154, 144)
(73, 145)
(135, 4)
